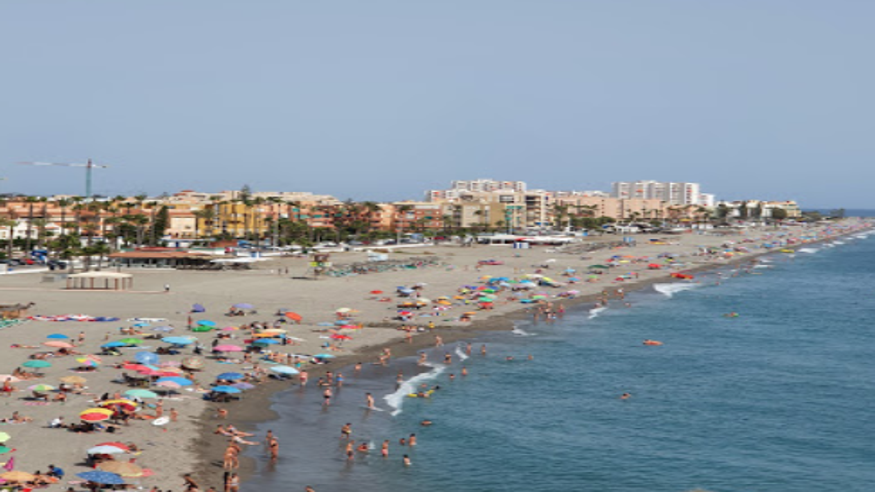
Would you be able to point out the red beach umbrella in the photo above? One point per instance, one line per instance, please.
(294, 316)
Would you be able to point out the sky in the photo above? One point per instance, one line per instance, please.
(383, 99)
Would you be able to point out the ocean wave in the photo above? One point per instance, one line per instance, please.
(595, 312)
(762, 266)
(671, 289)
(520, 332)
(808, 250)
(461, 353)
(396, 400)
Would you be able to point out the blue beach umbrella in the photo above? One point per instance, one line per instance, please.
(230, 376)
(102, 477)
(113, 345)
(244, 305)
(175, 379)
(178, 340)
(146, 357)
(266, 341)
(198, 308)
(206, 322)
(58, 336)
(225, 389)
(323, 356)
(165, 329)
(140, 325)
(243, 386)
(284, 370)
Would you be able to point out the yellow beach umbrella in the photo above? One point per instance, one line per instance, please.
(103, 411)
(73, 380)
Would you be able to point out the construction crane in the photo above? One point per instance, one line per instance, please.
(88, 167)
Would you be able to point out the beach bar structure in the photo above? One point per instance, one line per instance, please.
(100, 280)
(160, 259)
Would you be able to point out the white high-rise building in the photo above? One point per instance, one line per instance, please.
(669, 192)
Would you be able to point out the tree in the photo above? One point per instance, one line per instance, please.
(160, 223)
(779, 214)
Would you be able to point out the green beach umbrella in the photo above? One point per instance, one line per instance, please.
(484, 299)
(131, 341)
(41, 387)
(37, 364)
(202, 328)
(599, 266)
(141, 393)
(4, 437)
(4, 449)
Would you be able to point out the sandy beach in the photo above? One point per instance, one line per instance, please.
(188, 445)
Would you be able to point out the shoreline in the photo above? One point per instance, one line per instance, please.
(190, 445)
(257, 409)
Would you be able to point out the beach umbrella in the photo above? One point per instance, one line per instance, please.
(275, 331)
(17, 476)
(244, 305)
(343, 310)
(323, 356)
(5, 449)
(58, 344)
(175, 379)
(4, 437)
(294, 316)
(115, 444)
(227, 348)
(10, 377)
(266, 341)
(131, 341)
(163, 329)
(170, 364)
(225, 389)
(146, 357)
(37, 364)
(198, 308)
(202, 328)
(341, 337)
(141, 393)
(193, 363)
(102, 477)
(121, 468)
(88, 362)
(177, 340)
(41, 388)
(140, 325)
(94, 416)
(168, 384)
(58, 336)
(206, 322)
(243, 386)
(230, 376)
(112, 345)
(284, 370)
(73, 380)
(126, 404)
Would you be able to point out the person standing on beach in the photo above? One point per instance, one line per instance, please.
(166, 288)
(438, 341)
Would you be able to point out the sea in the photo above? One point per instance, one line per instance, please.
(777, 398)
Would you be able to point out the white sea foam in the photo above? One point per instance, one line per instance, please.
(396, 400)
(520, 332)
(808, 250)
(840, 242)
(671, 289)
(594, 312)
(461, 353)
(762, 266)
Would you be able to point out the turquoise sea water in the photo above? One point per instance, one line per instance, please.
(777, 399)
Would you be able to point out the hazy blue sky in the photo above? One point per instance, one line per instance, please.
(380, 99)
